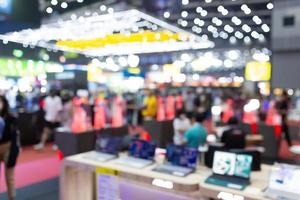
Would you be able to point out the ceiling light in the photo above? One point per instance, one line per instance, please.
(270, 6)
(216, 34)
(220, 8)
(184, 14)
(232, 40)
(246, 28)
(208, 1)
(185, 2)
(265, 28)
(255, 34)
(223, 35)
(247, 40)
(236, 20)
(197, 21)
(54, 2)
(239, 35)
(203, 13)
(256, 19)
(244, 7)
(166, 14)
(228, 28)
(199, 9)
(103, 8)
(228, 63)
(184, 23)
(64, 5)
(49, 10)
(110, 10)
(80, 1)
(225, 12)
(261, 57)
(233, 54)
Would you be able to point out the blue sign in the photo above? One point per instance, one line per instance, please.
(5, 6)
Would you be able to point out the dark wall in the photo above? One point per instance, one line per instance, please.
(286, 44)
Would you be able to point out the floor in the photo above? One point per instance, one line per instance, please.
(46, 190)
(33, 167)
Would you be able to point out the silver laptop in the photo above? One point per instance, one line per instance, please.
(284, 182)
(106, 148)
(141, 154)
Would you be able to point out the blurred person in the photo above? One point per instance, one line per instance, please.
(52, 107)
(130, 109)
(189, 103)
(9, 148)
(170, 107)
(283, 106)
(67, 110)
(197, 134)
(181, 124)
(233, 137)
(179, 101)
(150, 106)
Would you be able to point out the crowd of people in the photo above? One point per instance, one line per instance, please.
(188, 109)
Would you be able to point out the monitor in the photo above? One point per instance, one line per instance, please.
(142, 149)
(285, 178)
(108, 144)
(182, 156)
(231, 164)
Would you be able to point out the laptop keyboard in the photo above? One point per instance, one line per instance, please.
(173, 170)
(231, 182)
(98, 156)
(134, 162)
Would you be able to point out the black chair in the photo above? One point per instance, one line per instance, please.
(234, 139)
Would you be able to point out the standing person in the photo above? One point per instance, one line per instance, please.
(181, 124)
(8, 155)
(189, 103)
(283, 109)
(150, 106)
(52, 107)
(197, 134)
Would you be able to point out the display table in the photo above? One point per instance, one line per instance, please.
(78, 182)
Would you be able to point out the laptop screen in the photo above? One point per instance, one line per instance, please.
(106, 144)
(182, 156)
(231, 164)
(285, 178)
(142, 149)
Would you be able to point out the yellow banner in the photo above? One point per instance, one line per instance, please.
(106, 171)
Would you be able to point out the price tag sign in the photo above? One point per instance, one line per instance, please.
(107, 184)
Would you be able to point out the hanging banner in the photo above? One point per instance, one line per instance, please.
(107, 184)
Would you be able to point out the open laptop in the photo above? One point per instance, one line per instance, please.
(106, 148)
(141, 154)
(181, 161)
(231, 170)
(284, 182)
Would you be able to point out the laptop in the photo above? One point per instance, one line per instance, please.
(181, 161)
(231, 170)
(141, 154)
(284, 182)
(106, 148)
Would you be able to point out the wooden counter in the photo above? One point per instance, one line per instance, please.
(78, 182)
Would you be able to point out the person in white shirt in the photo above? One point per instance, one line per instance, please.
(52, 107)
(181, 124)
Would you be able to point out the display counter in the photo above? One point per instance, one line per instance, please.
(73, 143)
(78, 182)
